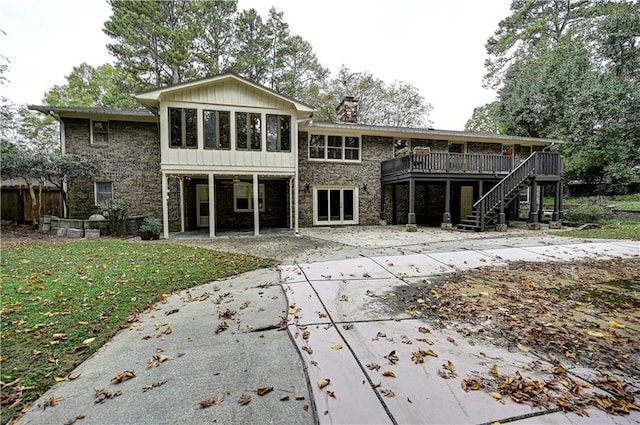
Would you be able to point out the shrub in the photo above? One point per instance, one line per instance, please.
(116, 211)
(152, 225)
(592, 213)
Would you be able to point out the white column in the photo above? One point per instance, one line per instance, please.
(296, 213)
(256, 207)
(212, 206)
(291, 202)
(165, 205)
(182, 227)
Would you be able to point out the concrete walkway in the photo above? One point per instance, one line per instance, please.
(313, 318)
(342, 328)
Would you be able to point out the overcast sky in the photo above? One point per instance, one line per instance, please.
(435, 45)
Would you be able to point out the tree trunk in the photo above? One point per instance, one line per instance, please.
(34, 203)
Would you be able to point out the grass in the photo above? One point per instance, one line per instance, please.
(611, 229)
(629, 202)
(62, 301)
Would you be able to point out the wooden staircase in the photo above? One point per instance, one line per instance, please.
(487, 209)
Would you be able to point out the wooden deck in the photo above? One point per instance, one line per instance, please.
(445, 163)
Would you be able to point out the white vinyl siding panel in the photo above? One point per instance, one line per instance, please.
(228, 93)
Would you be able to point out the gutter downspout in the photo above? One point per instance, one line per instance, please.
(63, 150)
(296, 183)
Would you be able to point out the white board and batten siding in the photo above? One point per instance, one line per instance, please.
(234, 97)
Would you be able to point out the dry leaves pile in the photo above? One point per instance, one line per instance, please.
(582, 314)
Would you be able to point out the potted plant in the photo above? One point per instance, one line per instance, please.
(403, 151)
(150, 228)
(422, 150)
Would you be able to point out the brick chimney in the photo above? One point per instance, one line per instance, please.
(347, 111)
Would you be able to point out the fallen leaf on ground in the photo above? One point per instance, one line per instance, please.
(336, 346)
(154, 385)
(264, 390)
(123, 376)
(331, 393)
(102, 395)
(323, 382)
(373, 366)
(244, 400)
(156, 360)
(387, 393)
(211, 401)
(389, 373)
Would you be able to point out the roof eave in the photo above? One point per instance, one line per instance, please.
(431, 133)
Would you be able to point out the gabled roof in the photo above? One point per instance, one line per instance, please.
(123, 114)
(430, 133)
(151, 98)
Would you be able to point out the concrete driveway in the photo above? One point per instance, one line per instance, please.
(320, 320)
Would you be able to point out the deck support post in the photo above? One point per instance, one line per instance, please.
(383, 220)
(212, 205)
(534, 223)
(556, 217)
(394, 210)
(446, 216)
(411, 219)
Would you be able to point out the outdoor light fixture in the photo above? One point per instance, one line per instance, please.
(364, 186)
(307, 186)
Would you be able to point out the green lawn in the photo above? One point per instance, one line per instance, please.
(620, 202)
(62, 301)
(611, 229)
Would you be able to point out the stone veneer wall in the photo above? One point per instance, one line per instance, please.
(484, 148)
(131, 160)
(374, 150)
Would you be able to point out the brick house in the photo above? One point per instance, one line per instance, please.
(227, 153)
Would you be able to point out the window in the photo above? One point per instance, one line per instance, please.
(334, 148)
(316, 146)
(456, 147)
(335, 205)
(243, 197)
(103, 192)
(183, 125)
(248, 131)
(401, 145)
(99, 132)
(278, 133)
(217, 129)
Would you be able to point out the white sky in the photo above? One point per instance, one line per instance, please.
(435, 45)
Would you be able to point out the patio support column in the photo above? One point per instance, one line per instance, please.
(256, 207)
(212, 206)
(555, 222)
(446, 216)
(291, 202)
(382, 216)
(541, 203)
(165, 206)
(533, 213)
(182, 204)
(394, 213)
(411, 220)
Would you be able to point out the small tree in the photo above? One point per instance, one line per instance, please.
(20, 162)
(68, 168)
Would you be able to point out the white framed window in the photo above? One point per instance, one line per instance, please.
(278, 133)
(217, 129)
(99, 132)
(248, 131)
(183, 128)
(335, 205)
(103, 192)
(243, 197)
(328, 147)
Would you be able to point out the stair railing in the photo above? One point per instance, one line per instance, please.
(492, 199)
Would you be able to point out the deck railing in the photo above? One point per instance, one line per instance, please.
(446, 162)
(539, 164)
